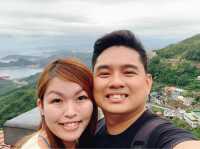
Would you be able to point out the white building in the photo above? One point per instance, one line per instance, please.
(196, 114)
(186, 100)
(173, 92)
(198, 78)
(191, 119)
(169, 113)
(179, 113)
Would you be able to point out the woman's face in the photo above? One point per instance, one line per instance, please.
(67, 109)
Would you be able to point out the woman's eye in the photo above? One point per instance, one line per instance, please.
(82, 97)
(56, 100)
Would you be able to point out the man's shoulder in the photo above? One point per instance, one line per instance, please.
(150, 124)
(167, 134)
(156, 131)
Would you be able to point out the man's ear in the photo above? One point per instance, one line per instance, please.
(40, 105)
(149, 81)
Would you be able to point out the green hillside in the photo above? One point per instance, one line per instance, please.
(16, 101)
(178, 65)
(6, 85)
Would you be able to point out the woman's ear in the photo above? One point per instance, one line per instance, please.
(40, 106)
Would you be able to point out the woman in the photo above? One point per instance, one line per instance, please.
(69, 114)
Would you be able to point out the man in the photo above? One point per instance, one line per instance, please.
(121, 87)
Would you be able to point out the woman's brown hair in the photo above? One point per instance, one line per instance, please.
(75, 71)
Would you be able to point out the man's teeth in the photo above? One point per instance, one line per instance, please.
(122, 96)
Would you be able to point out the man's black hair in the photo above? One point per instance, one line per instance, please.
(119, 38)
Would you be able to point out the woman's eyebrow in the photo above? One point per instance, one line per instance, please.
(79, 91)
(62, 95)
(55, 92)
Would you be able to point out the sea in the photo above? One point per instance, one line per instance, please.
(19, 72)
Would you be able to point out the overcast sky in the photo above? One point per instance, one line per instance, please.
(62, 24)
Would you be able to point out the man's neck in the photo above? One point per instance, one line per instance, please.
(118, 123)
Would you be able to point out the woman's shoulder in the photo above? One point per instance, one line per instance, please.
(32, 142)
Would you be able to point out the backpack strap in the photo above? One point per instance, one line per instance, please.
(141, 138)
(100, 125)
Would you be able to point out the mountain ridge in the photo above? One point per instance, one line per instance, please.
(188, 49)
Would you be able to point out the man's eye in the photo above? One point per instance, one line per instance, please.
(83, 97)
(104, 74)
(129, 73)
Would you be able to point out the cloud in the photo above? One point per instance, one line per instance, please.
(89, 19)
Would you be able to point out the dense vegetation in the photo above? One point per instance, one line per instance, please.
(178, 65)
(183, 74)
(16, 101)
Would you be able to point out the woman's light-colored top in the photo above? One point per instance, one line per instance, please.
(32, 143)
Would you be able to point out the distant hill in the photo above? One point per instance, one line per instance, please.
(41, 61)
(31, 79)
(9, 85)
(187, 49)
(85, 57)
(17, 57)
(19, 63)
(6, 85)
(178, 64)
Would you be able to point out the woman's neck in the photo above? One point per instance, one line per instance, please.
(43, 140)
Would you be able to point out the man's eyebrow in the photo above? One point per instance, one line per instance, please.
(102, 67)
(130, 66)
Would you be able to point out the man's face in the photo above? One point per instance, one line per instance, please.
(121, 85)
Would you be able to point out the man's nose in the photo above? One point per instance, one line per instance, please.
(70, 109)
(116, 81)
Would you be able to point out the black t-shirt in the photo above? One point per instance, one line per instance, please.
(164, 136)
